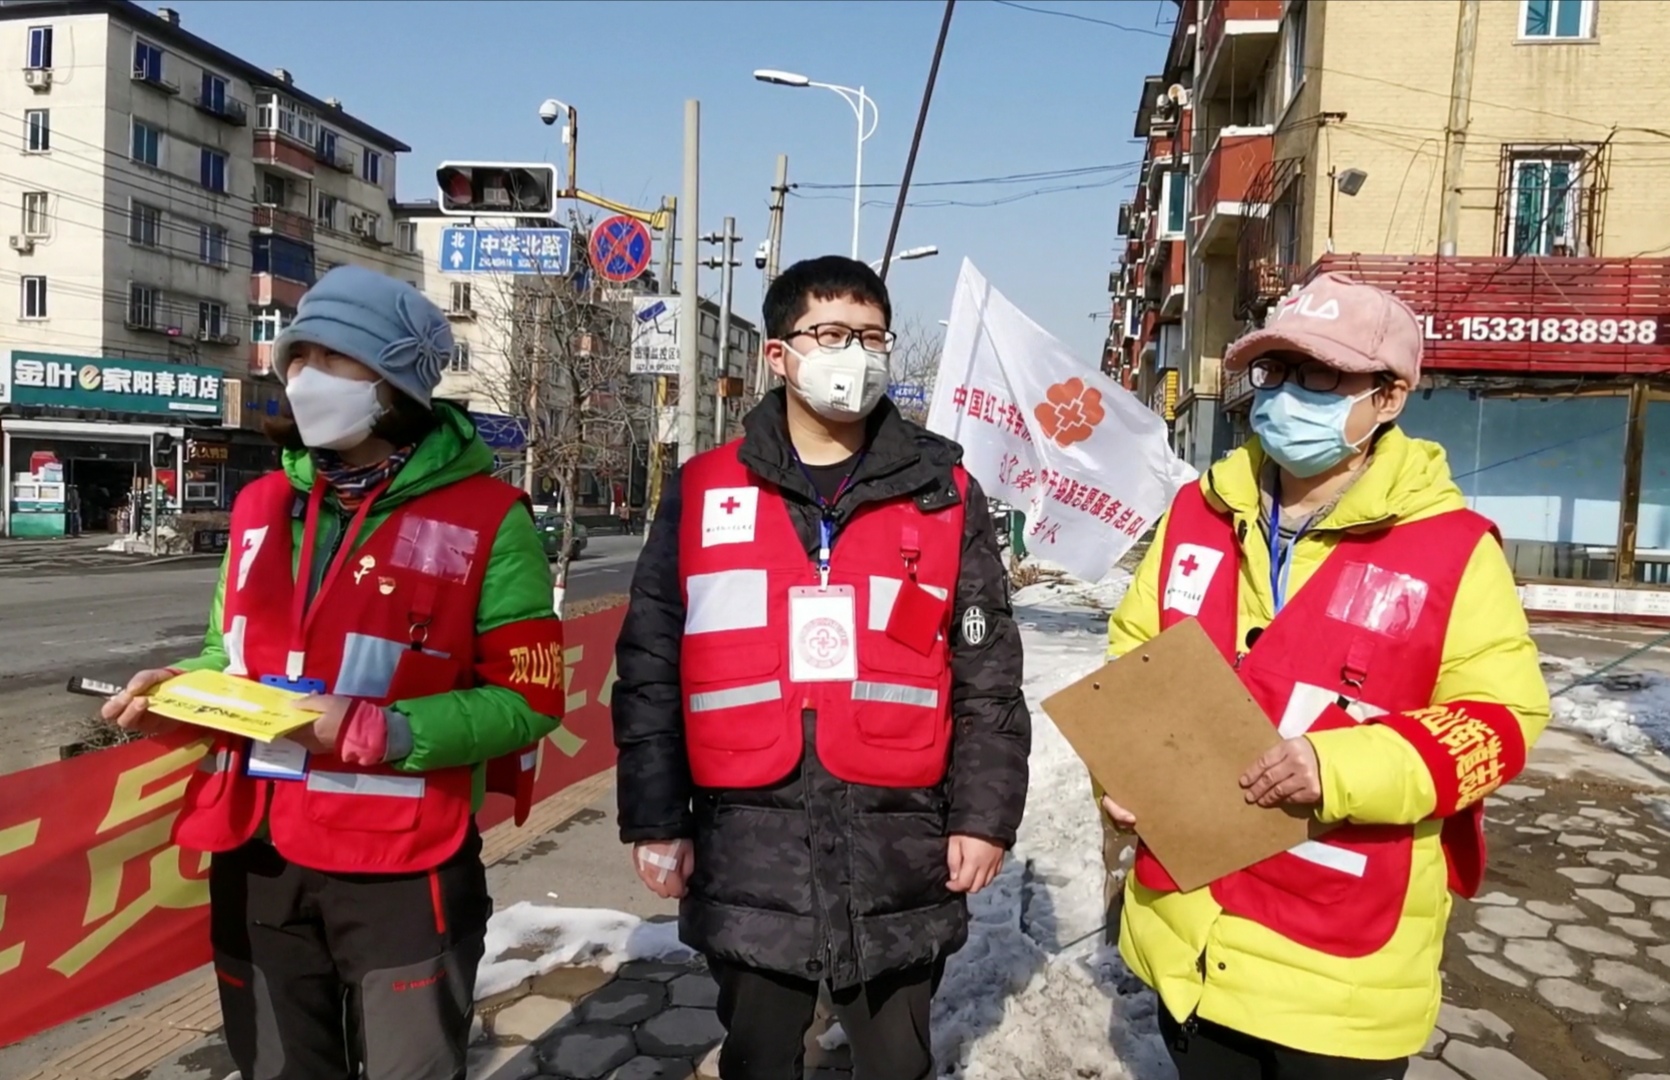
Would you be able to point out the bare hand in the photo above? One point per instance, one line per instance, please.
(130, 710)
(320, 736)
(1122, 818)
(665, 866)
(1288, 773)
(973, 863)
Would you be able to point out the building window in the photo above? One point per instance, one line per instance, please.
(327, 144)
(147, 61)
(282, 257)
(1174, 203)
(214, 92)
(265, 324)
(211, 319)
(212, 170)
(371, 167)
(34, 297)
(405, 236)
(37, 131)
(142, 307)
(36, 219)
(146, 146)
(275, 112)
(274, 191)
(1294, 50)
(460, 297)
(330, 209)
(211, 244)
(459, 363)
(144, 225)
(40, 47)
(1544, 200)
(1545, 20)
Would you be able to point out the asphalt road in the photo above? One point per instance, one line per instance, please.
(107, 623)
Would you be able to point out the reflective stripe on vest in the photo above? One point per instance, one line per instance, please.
(377, 784)
(757, 694)
(895, 694)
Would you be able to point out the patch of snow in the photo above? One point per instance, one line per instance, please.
(1623, 710)
(1034, 993)
(1067, 594)
(550, 937)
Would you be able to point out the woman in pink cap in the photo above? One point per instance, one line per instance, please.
(1374, 618)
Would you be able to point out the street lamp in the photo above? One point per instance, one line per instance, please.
(550, 111)
(908, 254)
(854, 97)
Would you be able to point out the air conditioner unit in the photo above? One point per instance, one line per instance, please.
(363, 225)
(38, 78)
(21, 244)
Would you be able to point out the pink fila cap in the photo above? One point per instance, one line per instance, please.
(1343, 323)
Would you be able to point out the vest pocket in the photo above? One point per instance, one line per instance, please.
(741, 710)
(363, 802)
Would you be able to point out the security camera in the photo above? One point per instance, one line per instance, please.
(760, 254)
(550, 112)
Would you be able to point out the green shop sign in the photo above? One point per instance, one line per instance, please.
(125, 386)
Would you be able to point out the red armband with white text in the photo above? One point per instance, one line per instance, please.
(1471, 748)
(525, 657)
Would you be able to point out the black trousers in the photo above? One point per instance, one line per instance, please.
(323, 973)
(767, 1016)
(1203, 1050)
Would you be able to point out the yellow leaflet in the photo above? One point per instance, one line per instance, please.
(210, 699)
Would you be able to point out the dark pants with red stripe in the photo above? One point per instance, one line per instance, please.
(322, 973)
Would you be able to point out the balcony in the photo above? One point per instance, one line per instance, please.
(260, 358)
(1236, 43)
(1226, 180)
(1163, 280)
(1531, 314)
(265, 290)
(343, 161)
(294, 224)
(225, 109)
(276, 152)
(156, 80)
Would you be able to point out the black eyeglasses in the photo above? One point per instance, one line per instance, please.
(1269, 372)
(836, 336)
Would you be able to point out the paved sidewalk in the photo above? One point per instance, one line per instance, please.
(70, 554)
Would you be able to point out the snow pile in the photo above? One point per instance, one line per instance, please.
(1626, 711)
(526, 940)
(1033, 993)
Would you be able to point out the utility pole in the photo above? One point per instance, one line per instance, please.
(689, 301)
(663, 286)
(773, 261)
(726, 263)
(1455, 135)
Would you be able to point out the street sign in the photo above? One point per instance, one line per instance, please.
(655, 335)
(506, 251)
(472, 188)
(912, 392)
(620, 248)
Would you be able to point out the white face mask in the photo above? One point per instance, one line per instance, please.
(842, 384)
(332, 412)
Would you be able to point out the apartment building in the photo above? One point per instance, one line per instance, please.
(169, 203)
(1493, 162)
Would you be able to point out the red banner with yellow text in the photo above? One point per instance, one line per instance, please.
(96, 904)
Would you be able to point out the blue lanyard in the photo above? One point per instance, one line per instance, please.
(826, 514)
(1281, 567)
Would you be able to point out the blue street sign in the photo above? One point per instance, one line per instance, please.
(907, 392)
(506, 251)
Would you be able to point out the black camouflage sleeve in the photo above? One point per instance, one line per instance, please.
(993, 730)
(652, 773)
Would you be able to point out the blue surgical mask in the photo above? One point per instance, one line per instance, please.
(1302, 430)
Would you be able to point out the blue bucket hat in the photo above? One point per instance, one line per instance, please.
(382, 322)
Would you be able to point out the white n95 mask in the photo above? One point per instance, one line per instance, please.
(844, 383)
(332, 412)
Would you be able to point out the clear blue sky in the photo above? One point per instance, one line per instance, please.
(1019, 93)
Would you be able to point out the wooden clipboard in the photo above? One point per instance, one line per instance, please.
(1167, 730)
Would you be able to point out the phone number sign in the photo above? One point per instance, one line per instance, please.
(1551, 330)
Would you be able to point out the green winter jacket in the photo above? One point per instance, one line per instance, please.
(460, 727)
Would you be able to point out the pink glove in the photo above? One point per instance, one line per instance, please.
(364, 738)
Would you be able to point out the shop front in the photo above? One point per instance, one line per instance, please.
(77, 435)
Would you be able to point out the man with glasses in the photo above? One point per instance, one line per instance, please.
(823, 743)
(1374, 618)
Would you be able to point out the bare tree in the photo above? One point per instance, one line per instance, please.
(915, 366)
(562, 367)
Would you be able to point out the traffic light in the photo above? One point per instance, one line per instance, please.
(162, 450)
(469, 188)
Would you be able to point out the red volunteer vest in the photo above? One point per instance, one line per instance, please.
(396, 621)
(739, 558)
(1362, 638)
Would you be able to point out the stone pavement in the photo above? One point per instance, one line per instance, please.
(649, 1021)
(69, 554)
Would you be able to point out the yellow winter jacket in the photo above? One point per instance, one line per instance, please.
(1234, 972)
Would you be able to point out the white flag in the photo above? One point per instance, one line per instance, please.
(1046, 432)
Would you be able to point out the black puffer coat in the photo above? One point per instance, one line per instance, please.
(815, 877)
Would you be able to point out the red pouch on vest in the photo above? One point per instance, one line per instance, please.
(916, 618)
